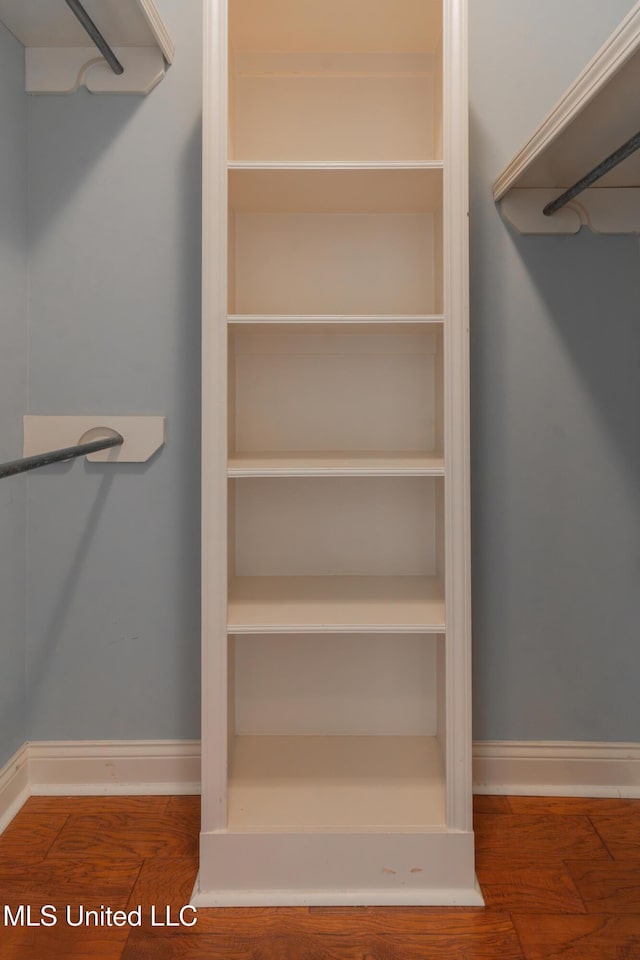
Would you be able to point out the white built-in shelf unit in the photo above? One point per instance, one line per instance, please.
(596, 116)
(336, 603)
(60, 56)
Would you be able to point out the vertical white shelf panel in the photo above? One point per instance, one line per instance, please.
(336, 693)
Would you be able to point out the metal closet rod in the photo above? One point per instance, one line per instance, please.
(57, 456)
(611, 161)
(87, 23)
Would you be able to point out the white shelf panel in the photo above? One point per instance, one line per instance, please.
(312, 463)
(336, 605)
(331, 783)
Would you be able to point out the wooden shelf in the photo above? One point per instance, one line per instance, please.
(310, 463)
(336, 605)
(597, 114)
(318, 784)
(60, 57)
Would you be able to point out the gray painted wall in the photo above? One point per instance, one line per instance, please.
(113, 552)
(13, 390)
(555, 396)
(113, 576)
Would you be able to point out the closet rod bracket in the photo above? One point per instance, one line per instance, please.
(141, 436)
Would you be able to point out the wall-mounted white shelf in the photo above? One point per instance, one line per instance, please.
(142, 436)
(60, 57)
(597, 114)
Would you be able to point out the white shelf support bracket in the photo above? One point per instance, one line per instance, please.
(143, 436)
(66, 69)
(605, 210)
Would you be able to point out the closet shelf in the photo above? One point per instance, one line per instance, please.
(311, 463)
(595, 117)
(348, 323)
(336, 605)
(336, 165)
(60, 57)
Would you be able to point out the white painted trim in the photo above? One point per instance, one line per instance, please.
(433, 897)
(618, 49)
(238, 319)
(114, 767)
(557, 768)
(138, 767)
(335, 165)
(14, 785)
(214, 419)
(158, 29)
(457, 525)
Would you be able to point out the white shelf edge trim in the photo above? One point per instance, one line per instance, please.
(342, 319)
(605, 210)
(238, 472)
(262, 629)
(158, 29)
(66, 69)
(618, 49)
(335, 165)
(114, 768)
(143, 436)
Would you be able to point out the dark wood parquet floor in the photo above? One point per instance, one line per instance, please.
(561, 878)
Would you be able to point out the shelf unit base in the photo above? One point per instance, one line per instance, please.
(338, 869)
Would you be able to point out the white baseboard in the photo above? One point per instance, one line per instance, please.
(557, 768)
(14, 785)
(114, 767)
(110, 767)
